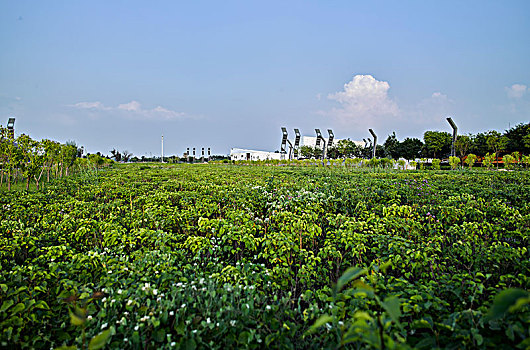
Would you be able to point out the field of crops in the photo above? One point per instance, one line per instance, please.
(223, 256)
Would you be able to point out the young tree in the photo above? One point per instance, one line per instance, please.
(508, 161)
(52, 152)
(470, 160)
(497, 143)
(11, 155)
(68, 155)
(29, 151)
(488, 160)
(462, 145)
(453, 162)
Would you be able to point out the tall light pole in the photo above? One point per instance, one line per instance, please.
(375, 142)
(455, 129)
(162, 149)
(11, 126)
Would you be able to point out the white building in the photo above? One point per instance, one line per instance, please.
(249, 154)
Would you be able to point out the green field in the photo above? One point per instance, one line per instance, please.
(224, 256)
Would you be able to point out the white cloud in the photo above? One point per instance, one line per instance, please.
(134, 110)
(516, 90)
(364, 100)
(90, 105)
(131, 106)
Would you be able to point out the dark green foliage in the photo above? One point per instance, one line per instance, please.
(223, 256)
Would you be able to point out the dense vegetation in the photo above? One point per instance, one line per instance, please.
(224, 256)
(436, 144)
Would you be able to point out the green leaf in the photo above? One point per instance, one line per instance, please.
(322, 320)
(391, 305)
(41, 304)
(99, 340)
(18, 308)
(6, 305)
(349, 275)
(66, 347)
(77, 317)
(3, 287)
(503, 301)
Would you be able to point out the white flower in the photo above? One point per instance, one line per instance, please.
(110, 271)
(125, 340)
(194, 331)
(113, 301)
(233, 323)
(89, 317)
(217, 324)
(173, 343)
(129, 302)
(104, 325)
(136, 328)
(268, 307)
(171, 313)
(182, 306)
(208, 320)
(104, 299)
(120, 291)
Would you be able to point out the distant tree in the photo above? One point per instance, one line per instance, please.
(437, 142)
(380, 151)
(479, 145)
(348, 148)
(392, 146)
(410, 148)
(518, 138)
(307, 151)
(116, 155)
(126, 156)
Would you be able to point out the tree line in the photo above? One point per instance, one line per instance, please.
(435, 144)
(25, 159)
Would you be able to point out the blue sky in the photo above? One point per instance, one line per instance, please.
(119, 74)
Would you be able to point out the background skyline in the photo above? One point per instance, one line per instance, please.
(221, 75)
